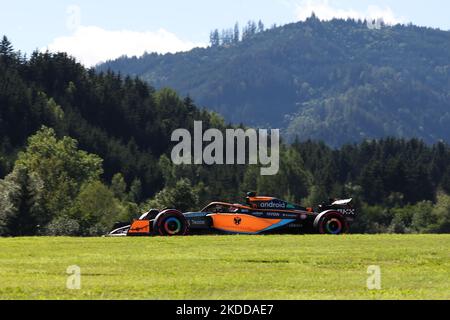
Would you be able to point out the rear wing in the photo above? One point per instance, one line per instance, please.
(341, 202)
(343, 206)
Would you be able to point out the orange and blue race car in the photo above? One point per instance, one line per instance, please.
(260, 215)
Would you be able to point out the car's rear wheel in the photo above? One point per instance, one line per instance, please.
(332, 223)
(170, 223)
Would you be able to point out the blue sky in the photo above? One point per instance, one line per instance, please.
(96, 30)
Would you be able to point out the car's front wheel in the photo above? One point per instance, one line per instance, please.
(170, 223)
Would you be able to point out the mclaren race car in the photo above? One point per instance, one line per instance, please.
(259, 215)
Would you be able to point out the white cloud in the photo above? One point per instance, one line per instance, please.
(325, 11)
(91, 44)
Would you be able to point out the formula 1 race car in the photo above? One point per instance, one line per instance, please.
(259, 215)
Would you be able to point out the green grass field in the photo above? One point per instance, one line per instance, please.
(227, 267)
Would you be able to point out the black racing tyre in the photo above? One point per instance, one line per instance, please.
(170, 223)
(333, 223)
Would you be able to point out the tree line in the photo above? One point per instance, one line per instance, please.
(231, 36)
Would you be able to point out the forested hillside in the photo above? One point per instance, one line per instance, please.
(336, 81)
(123, 120)
(81, 150)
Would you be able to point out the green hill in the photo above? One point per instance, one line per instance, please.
(336, 81)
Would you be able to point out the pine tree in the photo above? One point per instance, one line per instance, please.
(214, 38)
(236, 33)
(6, 48)
(135, 193)
(252, 27)
(21, 203)
(224, 37)
(249, 30)
(119, 186)
(260, 26)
